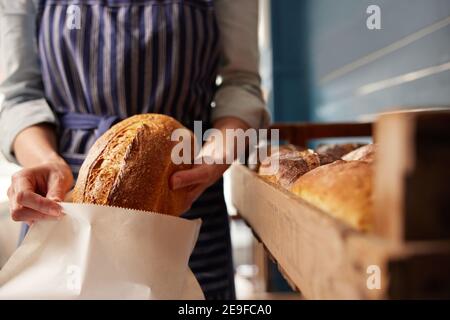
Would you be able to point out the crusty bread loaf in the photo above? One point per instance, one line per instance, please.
(267, 167)
(342, 189)
(366, 153)
(329, 153)
(130, 166)
(286, 167)
(255, 158)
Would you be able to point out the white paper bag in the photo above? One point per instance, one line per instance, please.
(99, 252)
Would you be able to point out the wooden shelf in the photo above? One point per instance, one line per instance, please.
(325, 259)
(317, 254)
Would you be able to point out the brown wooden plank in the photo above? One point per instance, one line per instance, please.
(423, 276)
(310, 246)
(412, 176)
(325, 259)
(300, 133)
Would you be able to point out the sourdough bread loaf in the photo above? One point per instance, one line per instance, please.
(366, 153)
(285, 167)
(342, 189)
(130, 165)
(256, 157)
(329, 153)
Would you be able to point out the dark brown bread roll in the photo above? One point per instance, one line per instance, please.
(255, 160)
(130, 166)
(286, 167)
(329, 153)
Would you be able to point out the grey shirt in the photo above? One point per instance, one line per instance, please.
(22, 99)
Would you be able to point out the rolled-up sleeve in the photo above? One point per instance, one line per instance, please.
(22, 101)
(239, 95)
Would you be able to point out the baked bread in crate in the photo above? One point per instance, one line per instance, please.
(365, 153)
(335, 178)
(342, 189)
(337, 151)
(285, 167)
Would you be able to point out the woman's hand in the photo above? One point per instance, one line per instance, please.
(34, 191)
(197, 180)
(203, 175)
(45, 179)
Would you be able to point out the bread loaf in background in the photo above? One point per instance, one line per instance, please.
(130, 166)
(290, 162)
(285, 167)
(366, 153)
(256, 157)
(329, 153)
(342, 189)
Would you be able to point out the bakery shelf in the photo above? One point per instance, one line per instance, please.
(322, 257)
(316, 253)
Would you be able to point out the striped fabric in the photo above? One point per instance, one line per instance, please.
(149, 56)
(131, 57)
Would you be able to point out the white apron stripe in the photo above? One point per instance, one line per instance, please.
(188, 63)
(174, 19)
(120, 58)
(161, 59)
(93, 56)
(107, 79)
(135, 37)
(55, 59)
(148, 11)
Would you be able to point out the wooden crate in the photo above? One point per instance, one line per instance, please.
(324, 258)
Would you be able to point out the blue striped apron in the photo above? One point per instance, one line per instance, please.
(130, 57)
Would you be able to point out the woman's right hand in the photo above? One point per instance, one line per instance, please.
(34, 191)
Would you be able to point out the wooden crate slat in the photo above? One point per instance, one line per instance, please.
(310, 246)
(324, 258)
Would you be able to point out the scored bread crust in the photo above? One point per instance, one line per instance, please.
(130, 166)
(285, 167)
(366, 153)
(343, 189)
(336, 151)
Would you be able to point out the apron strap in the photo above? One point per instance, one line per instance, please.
(85, 121)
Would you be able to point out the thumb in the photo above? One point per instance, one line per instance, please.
(185, 178)
(56, 188)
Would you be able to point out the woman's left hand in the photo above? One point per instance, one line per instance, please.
(197, 180)
(203, 175)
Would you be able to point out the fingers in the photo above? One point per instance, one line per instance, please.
(195, 193)
(192, 196)
(56, 187)
(38, 203)
(196, 180)
(25, 203)
(186, 178)
(17, 184)
(29, 215)
(25, 196)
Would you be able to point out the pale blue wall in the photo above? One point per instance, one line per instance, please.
(312, 38)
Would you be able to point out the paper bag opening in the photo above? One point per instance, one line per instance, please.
(100, 252)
